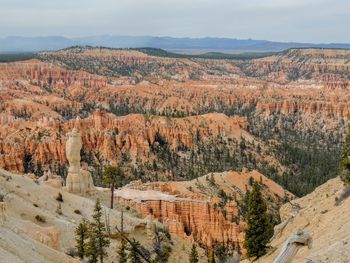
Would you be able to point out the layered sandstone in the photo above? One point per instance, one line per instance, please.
(192, 209)
(78, 180)
(111, 135)
(33, 88)
(38, 98)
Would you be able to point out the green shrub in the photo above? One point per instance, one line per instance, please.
(40, 218)
(59, 198)
(77, 211)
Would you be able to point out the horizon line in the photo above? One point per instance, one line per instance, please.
(174, 37)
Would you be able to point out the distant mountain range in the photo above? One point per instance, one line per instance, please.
(181, 45)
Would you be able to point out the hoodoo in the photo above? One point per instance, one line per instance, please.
(78, 180)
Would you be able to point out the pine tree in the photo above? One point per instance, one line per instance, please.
(122, 255)
(91, 250)
(221, 253)
(98, 231)
(81, 235)
(211, 257)
(194, 254)
(134, 255)
(161, 245)
(345, 158)
(259, 227)
(114, 176)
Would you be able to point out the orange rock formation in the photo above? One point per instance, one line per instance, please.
(191, 209)
(109, 135)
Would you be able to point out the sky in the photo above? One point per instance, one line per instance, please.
(312, 21)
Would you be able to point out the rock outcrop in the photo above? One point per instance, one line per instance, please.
(112, 136)
(38, 97)
(194, 209)
(78, 180)
(292, 245)
(324, 214)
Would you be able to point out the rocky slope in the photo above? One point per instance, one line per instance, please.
(25, 239)
(209, 209)
(326, 221)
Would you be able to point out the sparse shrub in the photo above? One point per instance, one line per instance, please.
(40, 218)
(234, 219)
(212, 180)
(345, 159)
(224, 213)
(36, 205)
(59, 198)
(222, 253)
(59, 209)
(77, 211)
(194, 254)
(251, 181)
(2, 198)
(344, 195)
(71, 252)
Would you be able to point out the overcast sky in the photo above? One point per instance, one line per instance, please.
(282, 20)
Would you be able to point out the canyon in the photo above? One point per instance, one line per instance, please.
(189, 133)
(207, 209)
(282, 98)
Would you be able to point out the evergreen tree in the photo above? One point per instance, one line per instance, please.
(211, 257)
(122, 255)
(259, 227)
(134, 255)
(98, 231)
(194, 254)
(345, 159)
(81, 235)
(114, 176)
(92, 251)
(161, 245)
(221, 253)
